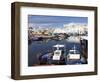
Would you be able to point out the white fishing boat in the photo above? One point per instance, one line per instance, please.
(58, 52)
(54, 57)
(73, 54)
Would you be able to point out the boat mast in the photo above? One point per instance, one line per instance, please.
(74, 49)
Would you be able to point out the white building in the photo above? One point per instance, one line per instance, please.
(76, 28)
(59, 30)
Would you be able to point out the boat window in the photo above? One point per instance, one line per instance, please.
(74, 52)
(57, 52)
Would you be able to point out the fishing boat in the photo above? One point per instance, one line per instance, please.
(74, 56)
(59, 54)
(55, 57)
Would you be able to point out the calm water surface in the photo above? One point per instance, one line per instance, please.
(39, 47)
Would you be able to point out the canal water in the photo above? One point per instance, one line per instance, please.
(37, 48)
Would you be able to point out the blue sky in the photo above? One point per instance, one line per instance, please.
(55, 21)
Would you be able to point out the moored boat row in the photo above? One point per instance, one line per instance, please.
(60, 57)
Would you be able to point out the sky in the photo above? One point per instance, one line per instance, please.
(54, 21)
